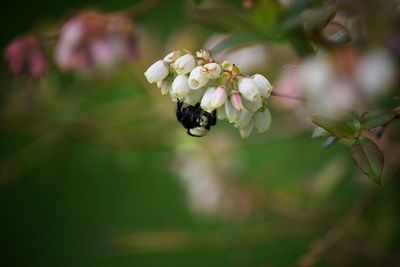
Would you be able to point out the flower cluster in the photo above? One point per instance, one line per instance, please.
(198, 78)
(92, 39)
(25, 57)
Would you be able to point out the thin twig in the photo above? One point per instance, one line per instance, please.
(279, 94)
(333, 236)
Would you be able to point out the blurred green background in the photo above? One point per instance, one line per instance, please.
(92, 171)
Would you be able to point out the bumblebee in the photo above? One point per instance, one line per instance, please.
(196, 120)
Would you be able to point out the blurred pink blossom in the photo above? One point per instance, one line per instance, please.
(95, 40)
(335, 83)
(26, 58)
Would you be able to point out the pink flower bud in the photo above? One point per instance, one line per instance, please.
(237, 101)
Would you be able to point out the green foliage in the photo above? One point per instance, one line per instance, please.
(319, 132)
(346, 128)
(368, 157)
(221, 17)
(376, 118)
(246, 38)
(365, 152)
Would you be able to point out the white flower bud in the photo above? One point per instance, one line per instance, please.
(196, 79)
(219, 97)
(194, 96)
(157, 72)
(246, 131)
(211, 70)
(253, 106)
(262, 120)
(165, 86)
(263, 84)
(246, 117)
(249, 89)
(180, 86)
(172, 57)
(184, 64)
(206, 101)
(232, 113)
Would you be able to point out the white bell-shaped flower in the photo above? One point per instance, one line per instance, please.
(197, 79)
(184, 64)
(157, 72)
(211, 70)
(253, 106)
(172, 57)
(232, 113)
(164, 86)
(262, 120)
(206, 101)
(219, 97)
(180, 86)
(194, 96)
(221, 114)
(246, 131)
(246, 117)
(249, 89)
(263, 84)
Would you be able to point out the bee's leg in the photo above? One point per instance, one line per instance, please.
(179, 114)
(213, 119)
(179, 105)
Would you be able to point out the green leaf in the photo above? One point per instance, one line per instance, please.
(376, 118)
(369, 158)
(244, 39)
(348, 128)
(222, 17)
(319, 132)
(317, 18)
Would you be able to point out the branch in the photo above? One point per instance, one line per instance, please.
(279, 94)
(333, 236)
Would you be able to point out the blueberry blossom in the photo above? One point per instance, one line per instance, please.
(184, 64)
(237, 101)
(249, 89)
(95, 40)
(211, 70)
(180, 86)
(165, 86)
(197, 79)
(157, 72)
(263, 84)
(219, 97)
(207, 100)
(25, 57)
(172, 57)
(221, 89)
(262, 120)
